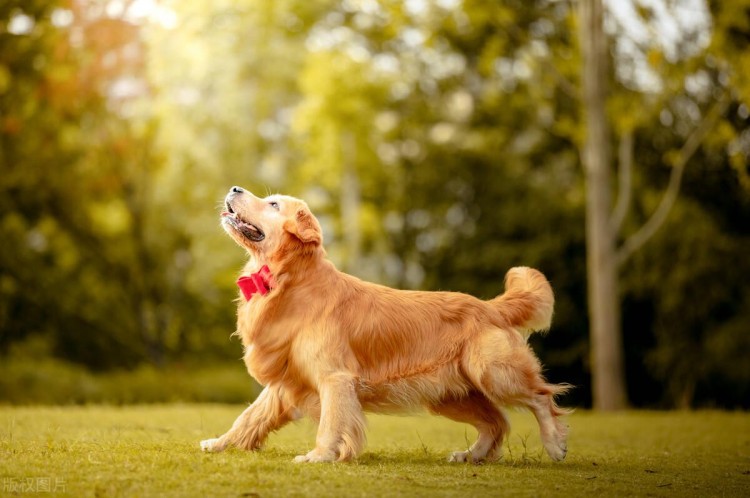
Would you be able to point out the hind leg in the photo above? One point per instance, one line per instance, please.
(508, 386)
(490, 422)
(509, 374)
(553, 432)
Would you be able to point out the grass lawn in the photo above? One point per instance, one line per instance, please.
(153, 451)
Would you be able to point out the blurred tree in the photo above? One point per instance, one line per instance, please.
(603, 222)
(687, 261)
(608, 360)
(86, 262)
(224, 101)
(333, 124)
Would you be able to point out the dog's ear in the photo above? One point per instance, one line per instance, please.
(305, 227)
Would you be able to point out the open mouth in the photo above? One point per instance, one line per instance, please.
(248, 230)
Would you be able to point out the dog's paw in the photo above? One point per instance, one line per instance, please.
(556, 449)
(212, 445)
(316, 456)
(462, 457)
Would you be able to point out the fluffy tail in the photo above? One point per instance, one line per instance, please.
(527, 302)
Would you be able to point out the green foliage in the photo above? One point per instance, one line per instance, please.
(90, 259)
(698, 348)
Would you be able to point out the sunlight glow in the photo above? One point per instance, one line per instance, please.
(20, 24)
(143, 11)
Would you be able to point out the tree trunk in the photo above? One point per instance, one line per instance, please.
(608, 372)
(351, 201)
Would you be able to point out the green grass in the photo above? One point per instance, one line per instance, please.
(153, 451)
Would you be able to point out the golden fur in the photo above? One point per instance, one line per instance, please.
(330, 346)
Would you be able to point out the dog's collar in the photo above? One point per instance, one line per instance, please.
(260, 282)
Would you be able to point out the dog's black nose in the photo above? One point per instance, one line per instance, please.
(236, 190)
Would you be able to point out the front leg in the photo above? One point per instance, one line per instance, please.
(341, 432)
(267, 413)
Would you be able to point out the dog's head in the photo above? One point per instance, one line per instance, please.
(269, 227)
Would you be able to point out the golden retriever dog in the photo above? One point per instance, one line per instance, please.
(331, 346)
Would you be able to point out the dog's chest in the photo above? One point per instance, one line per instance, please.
(267, 364)
(250, 318)
(269, 353)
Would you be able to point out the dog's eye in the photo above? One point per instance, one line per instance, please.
(274, 205)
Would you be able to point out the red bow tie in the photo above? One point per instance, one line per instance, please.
(260, 282)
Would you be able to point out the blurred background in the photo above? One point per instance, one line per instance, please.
(439, 143)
